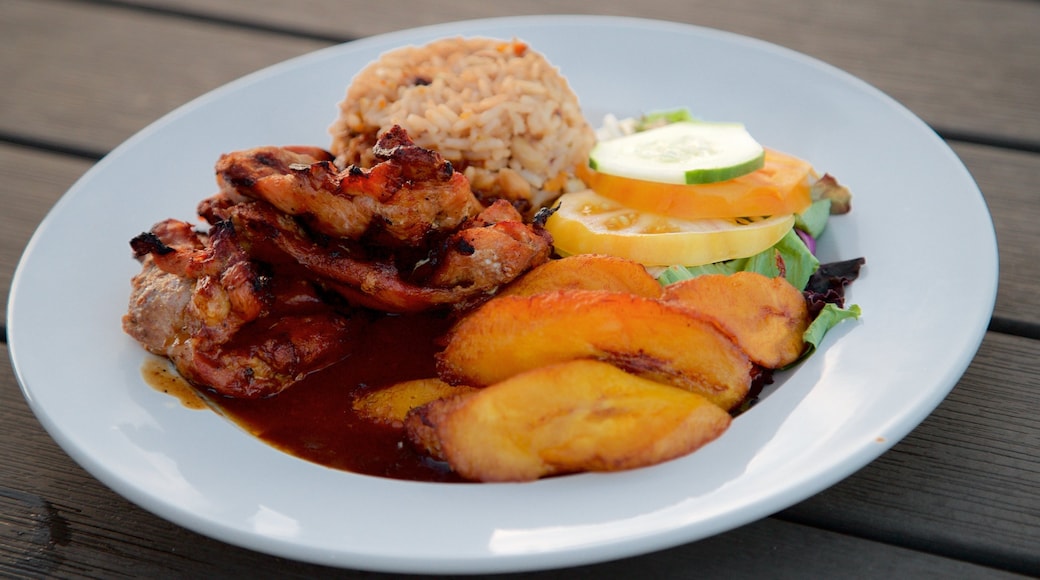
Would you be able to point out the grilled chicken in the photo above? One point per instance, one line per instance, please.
(462, 270)
(408, 198)
(245, 307)
(200, 301)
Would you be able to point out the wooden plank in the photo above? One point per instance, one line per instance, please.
(1008, 181)
(90, 76)
(57, 521)
(887, 44)
(965, 482)
(33, 182)
(920, 52)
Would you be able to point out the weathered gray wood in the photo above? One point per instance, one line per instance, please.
(57, 521)
(965, 482)
(920, 52)
(90, 76)
(1009, 182)
(96, 110)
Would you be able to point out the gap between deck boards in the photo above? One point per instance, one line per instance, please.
(196, 16)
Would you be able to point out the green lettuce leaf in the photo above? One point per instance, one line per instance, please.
(814, 219)
(827, 319)
(799, 264)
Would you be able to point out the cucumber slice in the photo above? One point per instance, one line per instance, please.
(685, 152)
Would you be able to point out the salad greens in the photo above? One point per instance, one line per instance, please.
(793, 257)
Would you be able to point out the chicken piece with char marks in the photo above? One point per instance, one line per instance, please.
(256, 303)
(460, 271)
(404, 236)
(200, 301)
(411, 195)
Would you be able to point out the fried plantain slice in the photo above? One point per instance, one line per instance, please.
(657, 340)
(390, 404)
(586, 272)
(575, 416)
(765, 316)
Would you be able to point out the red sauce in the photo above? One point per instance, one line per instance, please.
(315, 419)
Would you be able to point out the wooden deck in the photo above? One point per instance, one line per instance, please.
(959, 497)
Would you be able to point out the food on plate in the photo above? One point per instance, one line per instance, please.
(667, 191)
(766, 317)
(472, 284)
(500, 112)
(582, 415)
(587, 222)
(684, 152)
(391, 404)
(220, 304)
(586, 272)
(410, 195)
(838, 197)
(456, 272)
(651, 338)
(416, 253)
(201, 302)
(782, 186)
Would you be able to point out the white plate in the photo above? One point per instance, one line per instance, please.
(927, 293)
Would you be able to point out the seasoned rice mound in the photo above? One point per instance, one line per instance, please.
(498, 110)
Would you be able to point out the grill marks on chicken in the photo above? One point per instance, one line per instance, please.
(413, 194)
(245, 308)
(463, 269)
(406, 235)
(201, 301)
(229, 290)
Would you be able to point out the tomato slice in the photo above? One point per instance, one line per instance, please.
(588, 223)
(782, 186)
